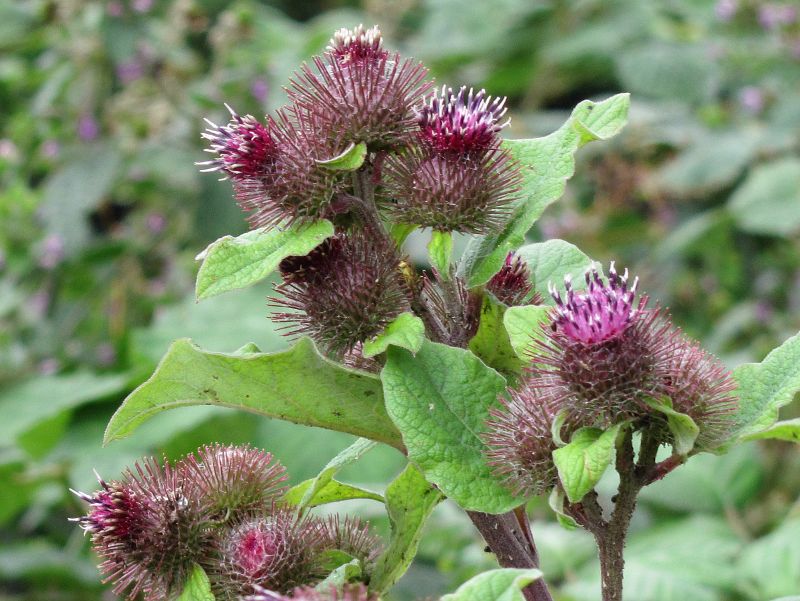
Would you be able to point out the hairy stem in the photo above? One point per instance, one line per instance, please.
(508, 535)
(507, 538)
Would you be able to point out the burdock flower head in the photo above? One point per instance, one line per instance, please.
(457, 178)
(274, 167)
(360, 90)
(150, 528)
(512, 284)
(235, 481)
(519, 440)
(350, 592)
(276, 552)
(346, 291)
(607, 354)
(351, 537)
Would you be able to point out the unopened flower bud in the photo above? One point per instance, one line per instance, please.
(512, 284)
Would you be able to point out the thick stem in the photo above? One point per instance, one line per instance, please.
(507, 539)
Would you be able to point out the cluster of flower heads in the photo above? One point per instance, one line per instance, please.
(432, 161)
(219, 508)
(603, 359)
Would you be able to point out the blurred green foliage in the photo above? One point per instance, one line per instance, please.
(102, 212)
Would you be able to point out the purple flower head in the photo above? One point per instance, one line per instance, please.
(454, 309)
(350, 592)
(774, 16)
(156, 223)
(50, 149)
(149, 528)
(115, 9)
(751, 99)
(130, 71)
(600, 313)
(462, 121)
(346, 291)
(276, 552)
(358, 92)
(236, 481)
(244, 148)
(142, 6)
(512, 284)
(357, 45)
(352, 537)
(470, 193)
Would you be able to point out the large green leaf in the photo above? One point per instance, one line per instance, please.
(409, 502)
(551, 261)
(310, 492)
(768, 202)
(42, 400)
(440, 400)
(498, 585)
(231, 263)
(766, 387)
(297, 385)
(197, 588)
(491, 342)
(768, 566)
(585, 459)
(788, 430)
(547, 163)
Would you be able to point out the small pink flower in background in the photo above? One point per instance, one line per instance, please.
(115, 9)
(8, 150)
(106, 354)
(52, 252)
(88, 129)
(775, 16)
(726, 9)
(156, 222)
(142, 6)
(130, 71)
(751, 99)
(48, 367)
(260, 90)
(50, 149)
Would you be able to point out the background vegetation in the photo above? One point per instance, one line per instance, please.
(102, 212)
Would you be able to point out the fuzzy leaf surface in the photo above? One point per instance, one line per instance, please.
(550, 261)
(406, 331)
(584, 460)
(231, 263)
(547, 163)
(763, 388)
(440, 400)
(409, 502)
(504, 584)
(296, 385)
(197, 588)
(524, 326)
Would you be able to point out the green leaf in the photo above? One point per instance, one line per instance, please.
(440, 251)
(585, 459)
(400, 231)
(491, 342)
(504, 584)
(341, 575)
(297, 385)
(768, 565)
(44, 399)
(763, 388)
(349, 160)
(409, 502)
(198, 588)
(547, 163)
(684, 430)
(333, 492)
(524, 326)
(768, 202)
(552, 260)
(305, 493)
(788, 430)
(556, 502)
(231, 263)
(440, 400)
(406, 331)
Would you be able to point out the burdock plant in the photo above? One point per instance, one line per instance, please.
(514, 371)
